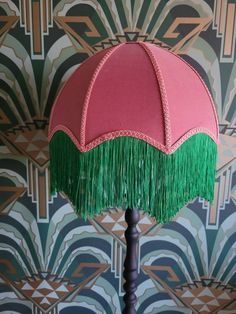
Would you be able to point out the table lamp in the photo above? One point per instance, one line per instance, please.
(134, 127)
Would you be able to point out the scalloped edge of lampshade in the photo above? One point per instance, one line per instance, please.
(134, 134)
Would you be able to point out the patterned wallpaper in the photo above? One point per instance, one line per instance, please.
(51, 261)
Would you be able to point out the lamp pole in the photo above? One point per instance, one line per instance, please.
(131, 262)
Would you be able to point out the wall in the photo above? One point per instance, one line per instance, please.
(50, 260)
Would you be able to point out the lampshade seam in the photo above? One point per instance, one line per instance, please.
(205, 87)
(89, 91)
(164, 100)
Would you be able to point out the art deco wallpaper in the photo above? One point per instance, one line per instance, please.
(51, 261)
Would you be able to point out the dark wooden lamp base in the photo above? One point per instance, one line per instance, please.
(131, 263)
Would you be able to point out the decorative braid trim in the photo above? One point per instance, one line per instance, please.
(112, 135)
(161, 86)
(89, 91)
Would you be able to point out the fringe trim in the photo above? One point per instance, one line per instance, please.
(128, 172)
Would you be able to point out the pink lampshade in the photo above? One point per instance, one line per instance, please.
(134, 126)
(134, 89)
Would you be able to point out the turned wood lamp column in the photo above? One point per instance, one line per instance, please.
(131, 263)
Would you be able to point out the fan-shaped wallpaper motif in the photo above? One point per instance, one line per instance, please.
(53, 262)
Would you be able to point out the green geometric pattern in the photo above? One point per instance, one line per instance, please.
(186, 265)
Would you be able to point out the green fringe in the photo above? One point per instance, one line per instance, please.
(128, 172)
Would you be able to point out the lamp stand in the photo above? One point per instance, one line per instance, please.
(131, 263)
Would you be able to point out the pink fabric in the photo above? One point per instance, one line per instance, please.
(130, 96)
(188, 99)
(134, 89)
(68, 106)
